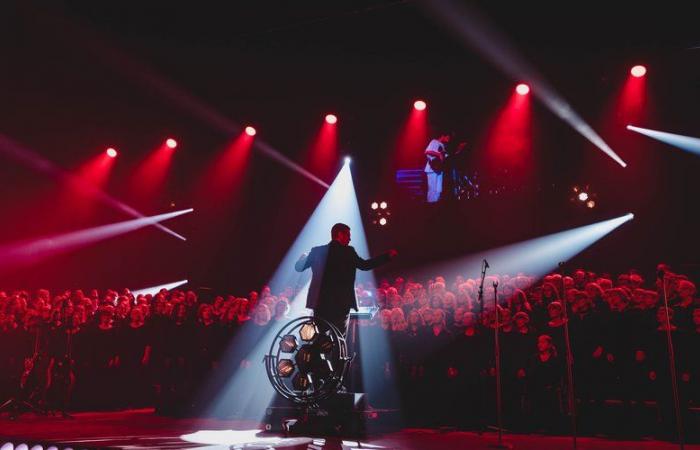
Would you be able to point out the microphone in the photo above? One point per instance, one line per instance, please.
(486, 264)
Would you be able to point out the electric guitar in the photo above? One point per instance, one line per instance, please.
(438, 164)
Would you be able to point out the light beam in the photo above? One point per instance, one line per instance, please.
(31, 251)
(687, 143)
(473, 30)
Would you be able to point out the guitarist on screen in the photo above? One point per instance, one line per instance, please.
(435, 153)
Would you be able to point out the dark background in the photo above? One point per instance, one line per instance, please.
(67, 91)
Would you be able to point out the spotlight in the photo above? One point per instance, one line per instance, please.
(308, 331)
(522, 89)
(331, 119)
(285, 368)
(112, 153)
(383, 205)
(300, 382)
(288, 344)
(590, 203)
(347, 160)
(171, 143)
(419, 105)
(374, 205)
(323, 344)
(583, 196)
(303, 358)
(382, 221)
(638, 71)
(250, 131)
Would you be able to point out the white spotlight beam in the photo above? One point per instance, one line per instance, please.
(37, 162)
(28, 252)
(249, 390)
(535, 257)
(339, 204)
(687, 143)
(153, 290)
(473, 30)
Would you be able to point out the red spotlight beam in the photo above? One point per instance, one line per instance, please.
(151, 173)
(37, 162)
(144, 75)
(474, 31)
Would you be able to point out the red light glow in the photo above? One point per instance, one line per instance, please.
(171, 143)
(331, 119)
(420, 105)
(522, 89)
(112, 153)
(250, 131)
(638, 71)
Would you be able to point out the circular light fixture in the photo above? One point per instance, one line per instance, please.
(638, 71)
(285, 368)
(522, 89)
(111, 152)
(331, 119)
(419, 105)
(250, 131)
(590, 203)
(288, 344)
(383, 205)
(382, 221)
(308, 331)
(374, 205)
(171, 143)
(583, 196)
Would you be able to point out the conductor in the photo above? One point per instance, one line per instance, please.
(332, 290)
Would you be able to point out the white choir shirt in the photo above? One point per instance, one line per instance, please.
(435, 146)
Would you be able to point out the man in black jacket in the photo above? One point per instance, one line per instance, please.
(332, 290)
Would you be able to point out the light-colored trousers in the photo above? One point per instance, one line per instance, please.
(434, 186)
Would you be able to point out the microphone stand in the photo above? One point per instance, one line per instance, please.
(480, 299)
(672, 367)
(571, 397)
(497, 356)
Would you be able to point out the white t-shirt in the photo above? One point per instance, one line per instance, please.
(435, 146)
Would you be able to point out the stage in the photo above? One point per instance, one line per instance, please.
(134, 429)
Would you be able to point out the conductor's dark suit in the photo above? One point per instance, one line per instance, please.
(332, 289)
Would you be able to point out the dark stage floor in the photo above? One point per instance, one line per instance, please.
(135, 429)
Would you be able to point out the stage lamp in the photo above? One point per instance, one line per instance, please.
(638, 71)
(285, 368)
(419, 105)
(300, 382)
(590, 203)
(383, 221)
(303, 358)
(374, 205)
(308, 331)
(383, 205)
(171, 143)
(288, 344)
(323, 344)
(111, 152)
(522, 89)
(347, 160)
(250, 131)
(583, 196)
(331, 119)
